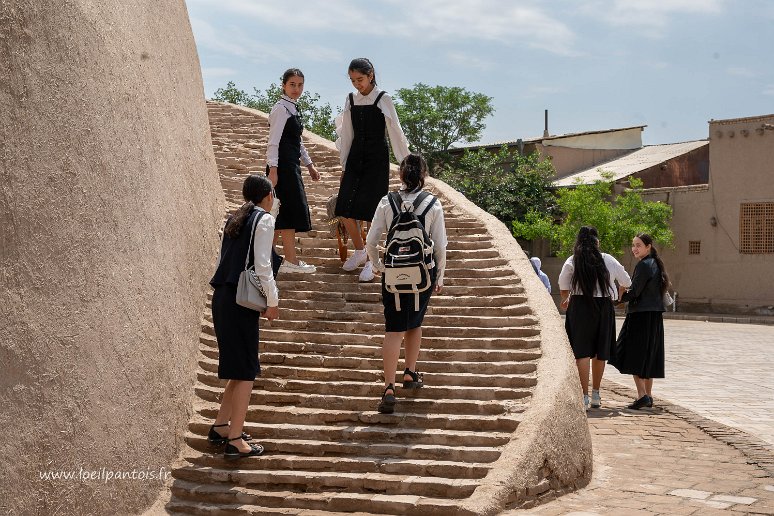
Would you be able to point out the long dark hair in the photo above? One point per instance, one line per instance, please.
(364, 66)
(254, 190)
(648, 240)
(413, 170)
(589, 266)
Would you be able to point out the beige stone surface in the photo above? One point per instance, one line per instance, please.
(109, 206)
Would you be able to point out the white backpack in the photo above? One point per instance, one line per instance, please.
(408, 254)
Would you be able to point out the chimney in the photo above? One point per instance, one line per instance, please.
(545, 131)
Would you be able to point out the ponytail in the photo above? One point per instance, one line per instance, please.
(254, 190)
(413, 170)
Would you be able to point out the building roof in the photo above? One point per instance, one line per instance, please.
(538, 139)
(636, 161)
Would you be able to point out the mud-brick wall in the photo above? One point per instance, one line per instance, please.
(109, 206)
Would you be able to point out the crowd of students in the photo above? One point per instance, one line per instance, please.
(587, 281)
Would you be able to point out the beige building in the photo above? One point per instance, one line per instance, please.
(723, 259)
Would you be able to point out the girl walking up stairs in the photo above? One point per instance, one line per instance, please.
(456, 446)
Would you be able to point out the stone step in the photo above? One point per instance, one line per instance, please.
(375, 390)
(365, 433)
(262, 481)
(331, 375)
(348, 402)
(441, 305)
(360, 345)
(376, 316)
(245, 501)
(375, 364)
(313, 448)
(361, 464)
(311, 416)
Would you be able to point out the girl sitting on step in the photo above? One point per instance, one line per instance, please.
(403, 322)
(283, 154)
(368, 116)
(236, 327)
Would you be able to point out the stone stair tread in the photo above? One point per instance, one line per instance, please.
(359, 464)
(307, 447)
(334, 500)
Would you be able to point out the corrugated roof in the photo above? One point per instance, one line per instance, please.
(636, 161)
(538, 139)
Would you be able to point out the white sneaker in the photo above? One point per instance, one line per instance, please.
(358, 258)
(596, 399)
(586, 401)
(302, 267)
(367, 274)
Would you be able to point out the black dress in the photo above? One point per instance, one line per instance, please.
(294, 208)
(639, 349)
(590, 326)
(367, 172)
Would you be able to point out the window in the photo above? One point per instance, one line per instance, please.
(694, 247)
(756, 228)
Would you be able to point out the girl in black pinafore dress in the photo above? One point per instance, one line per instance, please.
(284, 152)
(362, 127)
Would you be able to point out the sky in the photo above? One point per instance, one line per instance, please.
(672, 65)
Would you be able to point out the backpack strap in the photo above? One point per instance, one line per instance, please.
(395, 203)
(378, 97)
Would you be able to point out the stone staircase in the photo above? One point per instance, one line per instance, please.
(314, 407)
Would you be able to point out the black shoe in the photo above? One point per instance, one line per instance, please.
(642, 402)
(215, 438)
(650, 402)
(416, 379)
(232, 452)
(387, 403)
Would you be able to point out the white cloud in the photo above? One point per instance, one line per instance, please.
(488, 20)
(433, 20)
(740, 71)
(217, 73)
(471, 61)
(768, 90)
(650, 17)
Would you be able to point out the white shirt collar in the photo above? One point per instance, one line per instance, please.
(371, 96)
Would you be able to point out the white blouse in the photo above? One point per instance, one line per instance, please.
(394, 130)
(277, 118)
(434, 225)
(615, 269)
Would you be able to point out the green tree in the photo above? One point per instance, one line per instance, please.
(617, 220)
(318, 117)
(435, 117)
(504, 184)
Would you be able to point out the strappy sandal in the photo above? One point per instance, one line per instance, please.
(416, 379)
(387, 403)
(232, 452)
(215, 438)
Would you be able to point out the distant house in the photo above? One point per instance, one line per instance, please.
(572, 152)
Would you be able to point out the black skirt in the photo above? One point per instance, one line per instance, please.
(407, 318)
(236, 329)
(590, 327)
(640, 347)
(294, 208)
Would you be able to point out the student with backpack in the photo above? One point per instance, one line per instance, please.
(413, 267)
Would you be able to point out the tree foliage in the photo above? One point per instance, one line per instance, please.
(504, 184)
(317, 117)
(435, 117)
(589, 205)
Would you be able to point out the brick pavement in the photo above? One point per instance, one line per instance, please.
(705, 449)
(721, 371)
(659, 461)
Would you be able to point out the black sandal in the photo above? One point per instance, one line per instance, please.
(215, 438)
(232, 452)
(416, 379)
(387, 403)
